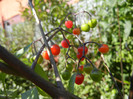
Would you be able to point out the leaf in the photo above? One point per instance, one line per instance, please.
(42, 92)
(71, 83)
(2, 76)
(13, 93)
(127, 29)
(21, 52)
(39, 70)
(30, 94)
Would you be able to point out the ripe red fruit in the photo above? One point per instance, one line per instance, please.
(79, 79)
(45, 55)
(65, 43)
(80, 49)
(81, 68)
(68, 24)
(79, 55)
(76, 31)
(55, 49)
(103, 48)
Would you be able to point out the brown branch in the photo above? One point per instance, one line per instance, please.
(22, 69)
(6, 69)
(131, 88)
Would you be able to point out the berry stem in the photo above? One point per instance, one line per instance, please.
(64, 19)
(92, 42)
(37, 56)
(90, 62)
(51, 31)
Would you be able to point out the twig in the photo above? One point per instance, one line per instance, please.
(64, 19)
(73, 35)
(112, 76)
(58, 79)
(82, 12)
(37, 57)
(131, 87)
(41, 49)
(51, 31)
(119, 35)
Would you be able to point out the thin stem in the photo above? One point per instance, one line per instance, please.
(90, 62)
(41, 49)
(58, 79)
(64, 19)
(121, 64)
(50, 31)
(92, 42)
(110, 73)
(73, 35)
(37, 57)
(82, 12)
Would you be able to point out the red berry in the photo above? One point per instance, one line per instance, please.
(45, 55)
(76, 31)
(79, 55)
(55, 49)
(79, 79)
(80, 49)
(69, 24)
(65, 43)
(103, 48)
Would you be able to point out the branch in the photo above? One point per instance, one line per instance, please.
(110, 73)
(131, 88)
(58, 79)
(6, 69)
(18, 66)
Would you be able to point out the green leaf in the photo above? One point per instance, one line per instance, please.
(71, 83)
(2, 76)
(39, 70)
(30, 94)
(13, 93)
(42, 92)
(21, 52)
(127, 29)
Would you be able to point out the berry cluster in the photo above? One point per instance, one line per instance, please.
(95, 74)
(82, 50)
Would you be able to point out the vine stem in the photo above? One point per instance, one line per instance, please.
(58, 79)
(110, 73)
(121, 64)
